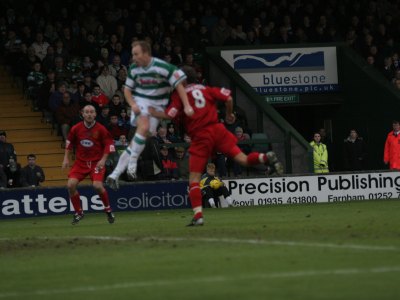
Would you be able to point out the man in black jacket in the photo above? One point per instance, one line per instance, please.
(31, 174)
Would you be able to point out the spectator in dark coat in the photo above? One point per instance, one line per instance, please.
(355, 152)
(31, 174)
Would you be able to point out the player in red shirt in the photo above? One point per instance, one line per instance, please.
(209, 135)
(93, 143)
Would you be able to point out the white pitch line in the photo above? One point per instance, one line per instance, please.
(224, 240)
(212, 279)
(281, 243)
(229, 241)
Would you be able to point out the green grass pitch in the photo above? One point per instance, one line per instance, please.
(321, 251)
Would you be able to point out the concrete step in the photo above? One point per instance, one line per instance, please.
(55, 173)
(10, 90)
(10, 100)
(6, 84)
(35, 125)
(23, 135)
(20, 120)
(20, 112)
(45, 147)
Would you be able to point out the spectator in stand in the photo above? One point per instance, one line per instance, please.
(189, 61)
(13, 171)
(48, 60)
(326, 139)
(182, 161)
(103, 60)
(172, 134)
(116, 66)
(12, 47)
(23, 65)
(124, 120)
(122, 141)
(101, 36)
(220, 32)
(104, 116)
(66, 113)
(68, 40)
(87, 65)
(111, 44)
(123, 53)
(89, 47)
(32, 174)
(8, 161)
(121, 78)
(7, 150)
(234, 39)
(115, 129)
(62, 73)
(204, 38)
(177, 55)
(56, 98)
(391, 151)
(88, 81)
(320, 154)
(116, 105)
(149, 162)
(98, 96)
(47, 88)
(50, 34)
(88, 100)
(34, 81)
(170, 167)
(40, 46)
(355, 152)
(371, 60)
(388, 68)
(74, 66)
(161, 135)
(79, 94)
(107, 82)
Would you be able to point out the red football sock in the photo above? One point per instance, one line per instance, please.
(255, 158)
(106, 202)
(76, 203)
(196, 199)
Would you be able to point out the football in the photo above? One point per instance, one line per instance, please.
(215, 184)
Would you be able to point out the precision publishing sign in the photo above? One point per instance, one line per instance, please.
(315, 188)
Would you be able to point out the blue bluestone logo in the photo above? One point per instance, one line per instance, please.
(279, 62)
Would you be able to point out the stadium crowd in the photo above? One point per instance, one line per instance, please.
(67, 54)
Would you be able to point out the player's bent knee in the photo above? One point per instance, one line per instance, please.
(98, 186)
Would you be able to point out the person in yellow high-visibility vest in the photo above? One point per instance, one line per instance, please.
(320, 155)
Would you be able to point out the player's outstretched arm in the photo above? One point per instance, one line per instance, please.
(158, 114)
(187, 108)
(229, 115)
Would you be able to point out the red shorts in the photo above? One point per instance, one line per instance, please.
(214, 138)
(81, 169)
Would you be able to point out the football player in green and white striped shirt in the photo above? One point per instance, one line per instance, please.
(149, 84)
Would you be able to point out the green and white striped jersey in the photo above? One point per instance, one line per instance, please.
(154, 82)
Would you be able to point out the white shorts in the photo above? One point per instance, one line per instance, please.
(144, 111)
